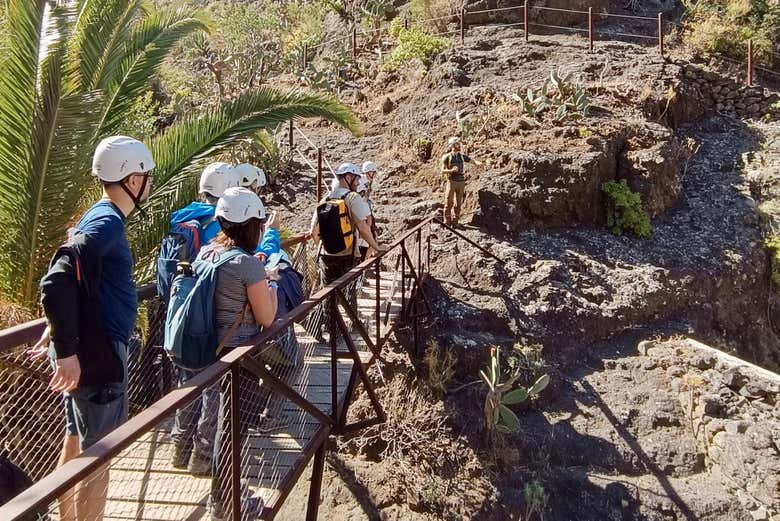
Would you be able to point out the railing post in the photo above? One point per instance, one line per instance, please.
(661, 33)
(235, 442)
(750, 63)
(403, 277)
(462, 30)
(291, 137)
(525, 20)
(305, 52)
(319, 174)
(378, 311)
(334, 375)
(315, 486)
(354, 41)
(590, 28)
(429, 248)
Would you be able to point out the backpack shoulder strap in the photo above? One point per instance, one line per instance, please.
(221, 257)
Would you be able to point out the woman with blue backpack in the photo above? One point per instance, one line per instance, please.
(217, 303)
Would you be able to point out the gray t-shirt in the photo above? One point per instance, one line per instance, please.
(230, 296)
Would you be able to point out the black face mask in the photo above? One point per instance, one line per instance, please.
(137, 198)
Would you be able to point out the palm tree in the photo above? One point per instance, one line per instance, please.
(69, 74)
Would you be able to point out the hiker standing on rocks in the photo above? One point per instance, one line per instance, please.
(90, 303)
(452, 164)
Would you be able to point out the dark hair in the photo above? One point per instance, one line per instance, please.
(245, 235)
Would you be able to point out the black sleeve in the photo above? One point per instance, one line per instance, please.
(59, 298)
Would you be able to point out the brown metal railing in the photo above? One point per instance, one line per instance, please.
(248, 466)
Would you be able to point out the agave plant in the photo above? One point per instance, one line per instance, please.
(69, 74)
(502, 393)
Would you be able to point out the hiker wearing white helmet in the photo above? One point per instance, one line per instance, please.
(370, 170)
(363, 190)
(87, 337)
(199, 217)
(452, 164)
(337, 220)
(250, 176)
(245, 301)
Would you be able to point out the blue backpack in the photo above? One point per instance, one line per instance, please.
(190, 326)
(181, 244)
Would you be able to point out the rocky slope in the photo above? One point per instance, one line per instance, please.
(622, 433)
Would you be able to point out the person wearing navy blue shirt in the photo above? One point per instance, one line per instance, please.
(91, 371)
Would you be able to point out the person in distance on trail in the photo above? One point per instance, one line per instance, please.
(89, 299)
(337, 220)
(363, 189)
(452, 164)
(336, 262)
(370, 170)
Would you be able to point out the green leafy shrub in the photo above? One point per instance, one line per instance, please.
(414, 43)
(772, 244)
(624, 209)
(502, 393)
(724, 26)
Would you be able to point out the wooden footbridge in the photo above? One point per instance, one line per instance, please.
(276, 418)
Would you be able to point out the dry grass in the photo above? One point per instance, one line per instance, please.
(440, 366)
(11, 314)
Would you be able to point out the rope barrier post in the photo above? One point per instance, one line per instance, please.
(292, 139)
(354, 42)
(319, 174)
(305, 49)
(750, 63)
(661, 34)
(462, 30)
(406, 21)
(525, 20)
(590, 28)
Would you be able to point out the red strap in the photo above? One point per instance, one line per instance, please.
(194, 231)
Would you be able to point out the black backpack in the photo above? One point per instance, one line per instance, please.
(14, 481)
(335, 224)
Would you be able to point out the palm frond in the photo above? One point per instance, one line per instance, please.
(18, 74)
(59, 139)
(147, 46)
(189, 144)
(96, 26)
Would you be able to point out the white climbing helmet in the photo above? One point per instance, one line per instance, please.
(250, 176)
(369, 167)
(347, 168)
(452, 141)
(216, 178)
(238, 205)
(117, 157)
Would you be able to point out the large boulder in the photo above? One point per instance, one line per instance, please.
(549, 189)
(650, 163)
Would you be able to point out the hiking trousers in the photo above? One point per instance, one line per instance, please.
(455, 192)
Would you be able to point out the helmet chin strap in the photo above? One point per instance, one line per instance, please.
(136, 198)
